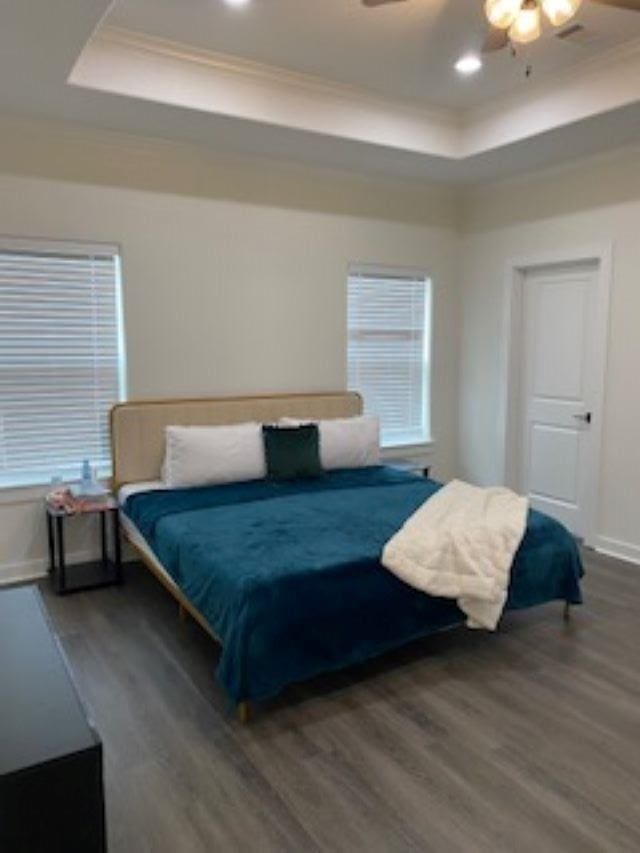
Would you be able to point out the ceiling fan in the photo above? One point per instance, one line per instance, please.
(520, 21)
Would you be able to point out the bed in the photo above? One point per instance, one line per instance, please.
(286, 575)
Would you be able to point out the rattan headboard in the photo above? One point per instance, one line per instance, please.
(137, 428)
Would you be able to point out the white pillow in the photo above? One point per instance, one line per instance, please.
(201, 455)
(346, 442)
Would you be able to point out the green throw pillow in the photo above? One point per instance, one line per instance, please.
(292, 452)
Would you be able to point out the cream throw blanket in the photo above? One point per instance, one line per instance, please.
(461, 544)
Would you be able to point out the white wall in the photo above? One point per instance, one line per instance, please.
(593, 203)
(235, 283)
(234, 271)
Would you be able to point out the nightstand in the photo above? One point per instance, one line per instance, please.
(411, 466)
(76, 577)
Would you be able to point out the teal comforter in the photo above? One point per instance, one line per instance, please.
(288, 574)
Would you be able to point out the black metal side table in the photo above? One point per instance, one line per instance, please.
(411, 466)
(77, 577)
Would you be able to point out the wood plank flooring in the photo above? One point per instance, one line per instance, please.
(528, 740)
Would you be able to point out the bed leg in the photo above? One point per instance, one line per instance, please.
(244, 712)
(566, 613)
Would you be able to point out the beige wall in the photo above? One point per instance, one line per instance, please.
(594, 203)
(234, 271)
(234, 282)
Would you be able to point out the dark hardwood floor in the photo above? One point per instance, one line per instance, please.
(528, 740)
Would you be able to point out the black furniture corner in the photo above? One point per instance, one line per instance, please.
(51, 791)
(411, 466)
(77, 577)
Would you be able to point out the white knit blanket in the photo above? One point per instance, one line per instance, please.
(461, 544)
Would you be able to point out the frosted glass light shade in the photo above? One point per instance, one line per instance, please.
(560, 11)
(526, 26)
(502, 13)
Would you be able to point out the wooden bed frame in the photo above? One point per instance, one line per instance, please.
(138, 440)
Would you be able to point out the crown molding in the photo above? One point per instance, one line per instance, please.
(114, 81)
(595, 87)
(310, 83)
(147, 68)
(138, 66)
(274, 74)
(551, 81)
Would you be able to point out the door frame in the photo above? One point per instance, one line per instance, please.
(511, 360)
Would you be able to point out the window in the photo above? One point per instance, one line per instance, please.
(389, 325)
(61, 358)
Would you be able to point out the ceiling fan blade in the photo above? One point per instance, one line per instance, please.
(495, 40)
(633, 5)
(373, 3)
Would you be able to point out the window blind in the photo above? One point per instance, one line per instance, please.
(389, 321)
(61, 360)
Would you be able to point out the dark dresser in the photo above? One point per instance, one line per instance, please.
(51, 791)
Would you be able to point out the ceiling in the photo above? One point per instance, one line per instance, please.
(405, 50)
(323, 81)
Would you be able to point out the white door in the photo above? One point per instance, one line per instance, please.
(557, 379)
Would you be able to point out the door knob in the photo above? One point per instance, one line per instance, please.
(586, 418)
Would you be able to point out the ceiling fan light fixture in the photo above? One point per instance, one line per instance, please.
(560, 11)
(527, 26)
(502, 13)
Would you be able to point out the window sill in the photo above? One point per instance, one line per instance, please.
(16, 495)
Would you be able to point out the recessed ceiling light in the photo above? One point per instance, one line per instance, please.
(237, 2)
(470, 63)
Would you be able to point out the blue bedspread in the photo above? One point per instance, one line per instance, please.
(288, 574)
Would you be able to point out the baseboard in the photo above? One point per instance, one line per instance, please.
(32, 570)
(14, 573)
(616, 548)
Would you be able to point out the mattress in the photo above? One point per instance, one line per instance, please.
(130, 489)
(137, 539)
(288, 574)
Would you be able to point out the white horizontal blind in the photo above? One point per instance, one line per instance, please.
(61, 360)
(389, 322)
